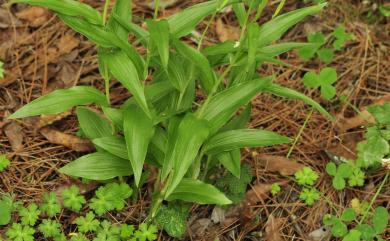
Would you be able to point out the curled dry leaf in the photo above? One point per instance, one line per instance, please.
(364, 118)
(45, 120)
(273, 228)
(226, 32)
(280, 164)
(14, 133)
(36, 16)
(72, 142)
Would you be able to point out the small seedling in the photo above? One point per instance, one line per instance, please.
(310, 195)
(316, 38)
(87, 223)
(4, 162)
(50, 204)
(49, 228)
(275, 189)
(20, 232)
(306, 176)
(341, 37)
(345, 171)
(72, 198)
(30, 215)
(325, 80)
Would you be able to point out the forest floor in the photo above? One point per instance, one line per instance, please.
(41, 54)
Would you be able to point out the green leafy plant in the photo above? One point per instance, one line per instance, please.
(29, 215)
(87, 223)
(345, 171)
(309, 195)
(306, 176)
(109, 197)
(4, 162)
(49, 228)
(19, 232)
(172, 218)
(325, 80)
(50, 204)
(1, 69)
(275, 189)
(163, 123)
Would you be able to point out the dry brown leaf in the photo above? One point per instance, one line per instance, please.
(14, 133)
(45, 120)
(259, 192)
(272, 229)
(226, 32)
(72, 142)
(36, 16)
(67, 43)
(280, 164)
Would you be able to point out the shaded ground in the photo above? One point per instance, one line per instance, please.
(41, 54)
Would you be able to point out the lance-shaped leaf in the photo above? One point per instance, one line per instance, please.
(114, 145)
(141, 34)
(123, 69)
(68, 7)
(275, 28)
(159, 35)
(92, 124)
(98, 166)
(173, 126)
(122, 9)
(253, 36)
(292, 94)
(240, 12)
(115, 115)
(138, 131)
(61, 100)
(277, 49)
(207, 79)
(231, 160)
(177, 72)
(191, 133)
(104, 39)
(191, 190)
(233, 139)
(183, 22)
(223, 105)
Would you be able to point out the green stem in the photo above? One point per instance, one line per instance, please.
(105, 11)
(156, 7)
(300, 133)
(375, 197)
(279, 8)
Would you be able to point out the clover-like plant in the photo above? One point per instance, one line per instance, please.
(164, 124)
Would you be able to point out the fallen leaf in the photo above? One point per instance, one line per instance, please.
(36, 16)
(14, 133)
(45, 120)
(67, 43)
(260, 192)
(320, 234)
(72, 142)
(199, 227)
(272, 228)
(226, 32)
(280, 164)
(218, 214)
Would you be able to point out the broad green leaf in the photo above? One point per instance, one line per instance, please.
(224, 104)
(292, 94)
(348, 215)
(231, 160)
(141, 34)
(220, 48)
(339, 229)
(102, 62)
(233, 139)
(277, 49)
(239, 11)
(92, 124)
(173, 126)
(353, 235)
(138, 131)
(68, 7)
(385, 10)
(159, 35)
(113, 145)
(5, 212)
(98, 166)
(104, 39)
(239, 121)
(207, 79)
(122, 9)
(325, 55)
(191, 190)
(177, 72)
(275, 28)
(191, 133)
(61, 100)
(159, 144)
(123, 69)
(380, 219)
(115, 115)
(366, 230)
(253, 36)
(185, 21)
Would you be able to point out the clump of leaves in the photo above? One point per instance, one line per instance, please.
(234, 187)
(4, 162)
(20, 232)
(50, 204)
(345, 171)
(159, 124)
(309, 195)
(87, 223)
(72, 198)
(172, 218)
(307, 177)
(325, 81)
(29, 215)
(365, 231)
(110, 197)
(49, 228)
(146, 232)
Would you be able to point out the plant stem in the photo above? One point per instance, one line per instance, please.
(105, 11)
(375, 197)
(156, 7)
(300, 133)
(279, 8)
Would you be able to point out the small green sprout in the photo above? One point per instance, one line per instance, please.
(316, 38)
(1, 69)
(310, 195)
(107, 231)
(325, 80)
(72, 199)
(4, 162)
(146, 232)
(275, 189)
(50, 205)
(341, 37)
(49, 228)
(20, 232)
(127, 231)
(306, 176)
(88, 223)
(29, 215)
